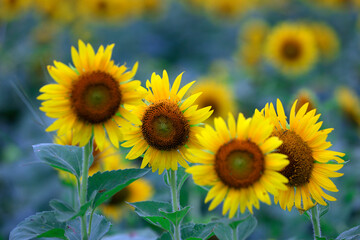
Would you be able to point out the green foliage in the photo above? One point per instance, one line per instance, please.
(66, 158)
(99, 227)
(64, 212)
(245, 226)
(192, 231)
(103, 185)
(351, 234)
(175, 217)
(43, 224)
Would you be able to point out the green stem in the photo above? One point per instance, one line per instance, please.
(315, 220)
(235, 230)
(87, 150)
(90, 221)
(175, 200)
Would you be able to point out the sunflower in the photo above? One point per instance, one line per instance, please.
(168, 125)
(251, 43)
(228, 8)
(239, 162)
(215, 94)
(326, 40)
(106, 160)
(349, 103)
(305, 96)
(116, 207)
(291, 48)
(311, 163)
(10, 9)
(90, 97)
(59, 10)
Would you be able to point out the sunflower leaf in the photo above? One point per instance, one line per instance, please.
(43, 224)
(66, 158)
(99, 227)
(244, 226)
(181, 177)
(64, 212)
(175, 217)
(197, 231)
(103, 185)
(351, 234)
(149, 210)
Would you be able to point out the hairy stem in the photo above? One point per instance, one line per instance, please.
(315, 220)
(175, 200)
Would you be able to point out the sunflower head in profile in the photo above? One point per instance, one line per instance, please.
(117, 208)
(106, 160)
(89, 98)
(168, 124)
(326, 40)
(349, 103)
(291, 48)
(215, 94)
(311, 163)
(239, 163)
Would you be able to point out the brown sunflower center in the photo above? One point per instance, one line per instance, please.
(300, 156)
(95, 97)
(239, 163)
(291, 50)
(210, 102)
(119, 197)
(164, 126)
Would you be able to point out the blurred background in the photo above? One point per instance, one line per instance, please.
(242, 53)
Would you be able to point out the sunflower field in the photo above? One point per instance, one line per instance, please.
(179, 119)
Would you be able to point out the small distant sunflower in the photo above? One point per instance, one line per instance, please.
(291, 48)
(168, 125)
(228, 8)
(214, 94)
(59, 10)
(311, 164)
(106, 160)
(10, 9)
(116, 208)
(90, 97)
(239, 162)
(349, 103)
(326, 40)
(305, 96)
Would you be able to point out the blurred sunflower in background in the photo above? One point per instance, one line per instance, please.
(56, 10)
(305, 96)
(228, 8)
(168, 125)
(349, 103)
(215, 94)
(326, 40)
(88, 99)
(239, 163)
(10, 9)
(291, 48)
(311, 163)
(251, 43)
(117, 208)
(106, 160)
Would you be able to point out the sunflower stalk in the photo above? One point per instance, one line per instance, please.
(175, 200)
(315, 220)
(87, 150)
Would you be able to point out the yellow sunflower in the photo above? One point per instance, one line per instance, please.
(106, 160)
(291, 48)
(311, 163)
(10, 9)
(349, 103)
(305, 96)
(59, 10)
(90, 97)
(228, 8)
(326, 40)
(215, 94)
(239, 162)
(116, 208)
(168, 125)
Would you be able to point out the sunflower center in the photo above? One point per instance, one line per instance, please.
(95, 97)
(291, 50)
(211, 102)
(102, 5)
(119, 197)
(239, 163)
(300, 157)
(164, 126)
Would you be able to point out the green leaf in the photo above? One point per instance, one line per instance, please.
(323, 210)
(99, 227)
(64, 212)
(181, 177)
(43, 224)
(66, 158)
(175, 217)
(245, 227)
(103, 185)
(197, 231)
(351, 234)
(149, 210)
